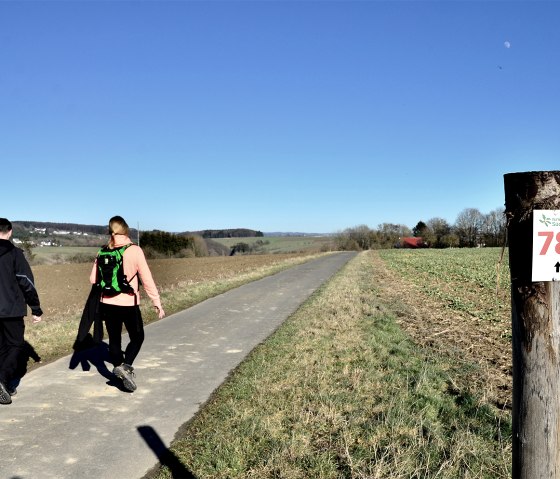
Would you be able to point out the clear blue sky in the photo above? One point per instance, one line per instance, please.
(308, 116)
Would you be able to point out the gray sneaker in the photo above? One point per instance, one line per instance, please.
(126, 373)
(4, 395)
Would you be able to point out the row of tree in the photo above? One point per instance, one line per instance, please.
(471, 229)
(246, 248)
(228, 233)
(159, 243)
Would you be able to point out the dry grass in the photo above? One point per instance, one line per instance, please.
(340, 391)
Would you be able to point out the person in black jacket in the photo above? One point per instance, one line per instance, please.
(17, 291)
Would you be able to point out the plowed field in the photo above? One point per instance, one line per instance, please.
(63, 288)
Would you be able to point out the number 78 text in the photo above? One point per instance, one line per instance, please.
(549, 236)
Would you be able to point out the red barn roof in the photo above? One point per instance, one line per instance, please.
(412, 242)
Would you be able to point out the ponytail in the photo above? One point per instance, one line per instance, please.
(117, 226)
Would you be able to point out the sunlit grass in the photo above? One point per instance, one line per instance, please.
(340, 391)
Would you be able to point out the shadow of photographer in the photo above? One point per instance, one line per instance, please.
(164, 455)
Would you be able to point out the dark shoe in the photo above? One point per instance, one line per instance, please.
(4, 395)
(12, 387)
(125, 372)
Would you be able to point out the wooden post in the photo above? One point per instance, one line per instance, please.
(535, 331)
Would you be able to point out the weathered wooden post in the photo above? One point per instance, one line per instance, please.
(535, 325)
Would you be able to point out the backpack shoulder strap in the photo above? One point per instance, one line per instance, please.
(124, 248)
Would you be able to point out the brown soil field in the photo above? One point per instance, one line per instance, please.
(63, 288)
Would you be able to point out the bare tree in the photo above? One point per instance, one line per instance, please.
(440, 231)
(468, 226)
(389, 234)
(356, 238)
(493, 227)
(361, 235)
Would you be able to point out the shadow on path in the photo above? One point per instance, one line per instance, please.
(26, 353)
(164, 455)
(92, 354)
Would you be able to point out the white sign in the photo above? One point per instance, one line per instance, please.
(546, 245)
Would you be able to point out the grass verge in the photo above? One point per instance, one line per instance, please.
(340, 391)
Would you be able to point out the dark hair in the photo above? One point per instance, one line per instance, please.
(5, 225)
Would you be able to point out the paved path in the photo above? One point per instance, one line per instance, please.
(70, 419)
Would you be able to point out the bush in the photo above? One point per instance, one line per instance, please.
(151, 253)
(216, 249)
(162, 244)
(200, 248)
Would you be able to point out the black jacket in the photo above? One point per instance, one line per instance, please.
(90, 315)
(17, 288)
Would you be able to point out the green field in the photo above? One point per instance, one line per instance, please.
(282, 244)
(474, 281)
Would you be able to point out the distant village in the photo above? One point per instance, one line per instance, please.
(33, 237)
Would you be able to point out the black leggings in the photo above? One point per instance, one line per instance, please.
(114, 318)
(11, 346)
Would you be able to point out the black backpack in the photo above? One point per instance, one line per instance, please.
(110, 272)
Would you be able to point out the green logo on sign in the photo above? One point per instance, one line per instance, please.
(545, 220)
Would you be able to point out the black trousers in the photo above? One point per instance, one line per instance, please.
(11, 345)
(114, 318)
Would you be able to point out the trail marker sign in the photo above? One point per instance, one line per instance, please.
(546, 245)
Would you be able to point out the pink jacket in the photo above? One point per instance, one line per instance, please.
(133, 261)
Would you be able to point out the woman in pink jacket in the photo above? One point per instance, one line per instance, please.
(122, 308)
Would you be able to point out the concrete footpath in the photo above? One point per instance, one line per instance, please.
(70, 419)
